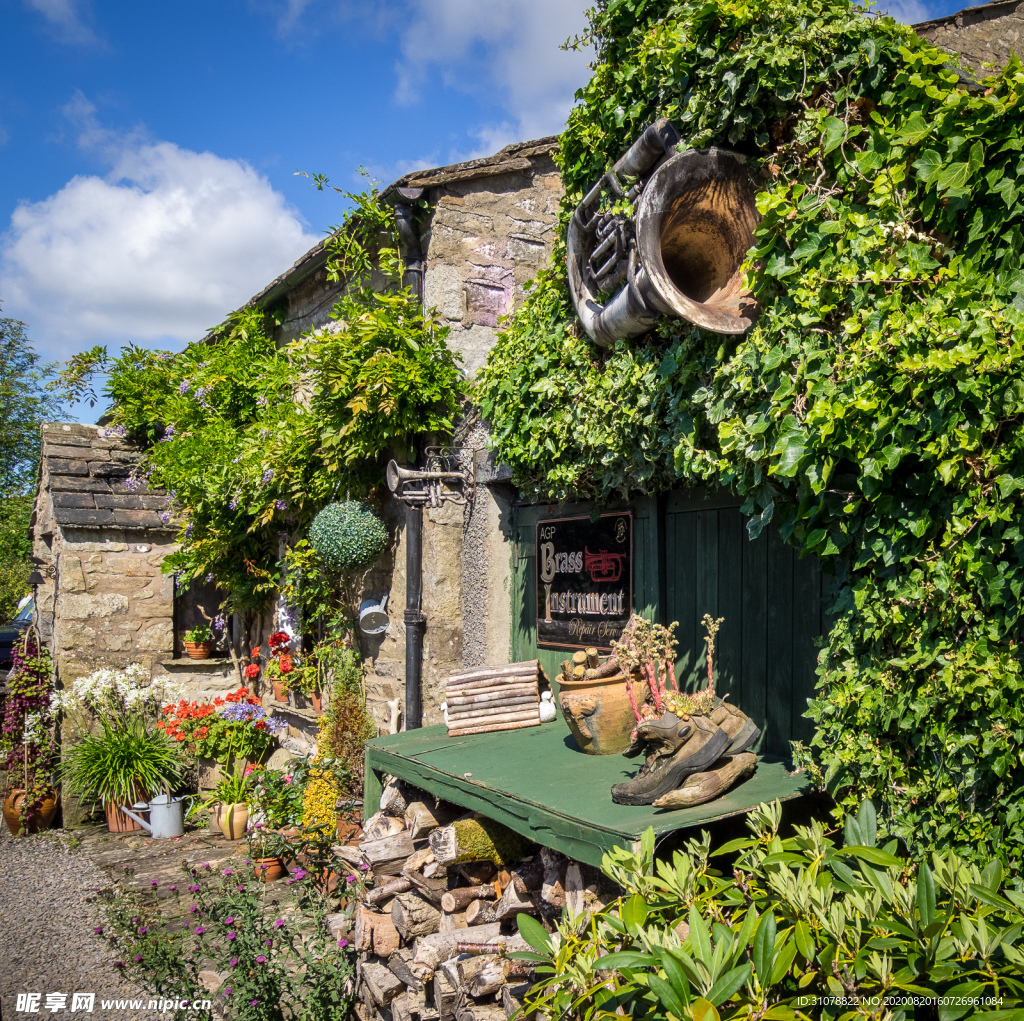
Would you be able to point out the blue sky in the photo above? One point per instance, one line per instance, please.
(148, 151)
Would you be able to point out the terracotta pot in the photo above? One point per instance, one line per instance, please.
(38, 820)
(198, 650)
(599, 712)
(348, 831)
(317, 699)
(215, 830)
(280, 692)
(269, 869)
(232, 819)
(117, 821)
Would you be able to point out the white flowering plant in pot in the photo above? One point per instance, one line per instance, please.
(117, 695)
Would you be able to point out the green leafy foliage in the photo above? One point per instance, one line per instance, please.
(794, 928)
(25, 402)
(348, 536)
(251, 439)
(872, 414)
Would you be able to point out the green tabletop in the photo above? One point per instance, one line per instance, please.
(539, 784)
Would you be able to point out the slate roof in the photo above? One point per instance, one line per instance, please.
(84, 470)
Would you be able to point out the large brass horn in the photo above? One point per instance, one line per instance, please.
(679, 255)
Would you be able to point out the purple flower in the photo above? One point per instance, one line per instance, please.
(267, 475)
(199, 930)
(281, 505)
(119, 964)
(279, 923)
(230, 920)
(205, 865)
(228, 872)
(227, 992)
(270, 942)
(261, 959)
(350, 879)
(154, 882)
(137, 958)
(300, 873)
(232, 935)
(188, 530)
(253, 1003)
(364, 866)
(192, 910)
(165, 517)
(98, 930)
(132, 482)
(232, 503)
(142, 930)
(235, 460)
(173, 888)
(241, 889)
(184, 387)
(193, 887)
(261, 401)
(208, 578)
(342, 942)
(219, 622)
(233, 961)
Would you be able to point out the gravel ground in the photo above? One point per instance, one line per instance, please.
(46, 920)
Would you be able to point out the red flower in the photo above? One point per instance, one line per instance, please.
(260, 725)
(287, 666)
(252, 670)
(278, 638)
(255, 652)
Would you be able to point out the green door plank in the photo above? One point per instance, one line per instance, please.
(778, 696)
(707, 586)
(729, 645)
(754, 631)
(681, 567)
(806, 623)
(535, 782)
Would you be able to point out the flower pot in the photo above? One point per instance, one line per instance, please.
(214, 821)
(117, 821)
(269, 869)
(599, 712)
(318, 705)
(198, 650)
(232, 819)
(40, 819)
(348, 830)
(280, 692)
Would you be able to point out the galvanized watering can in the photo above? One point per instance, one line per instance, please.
(166, 816)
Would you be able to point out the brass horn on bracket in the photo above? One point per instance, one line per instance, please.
(679, 255)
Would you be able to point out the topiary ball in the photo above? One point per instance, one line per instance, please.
(348, 536)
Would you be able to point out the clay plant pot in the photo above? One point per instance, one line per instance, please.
(348, 831)
(280, 692)
(318, 703)
(214, 821)
(117, 821)
(269, 869)
(599, 713)
(232, 819)
(38, 820)
(198, 650)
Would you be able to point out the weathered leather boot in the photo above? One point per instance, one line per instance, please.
(681, 747)
(738, 726)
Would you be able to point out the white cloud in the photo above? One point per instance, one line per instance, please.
(509, 49)
(158, 250)
(66, 17)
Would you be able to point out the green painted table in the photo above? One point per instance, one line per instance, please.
(537, 783)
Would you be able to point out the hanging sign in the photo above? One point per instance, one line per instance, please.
(584, 580)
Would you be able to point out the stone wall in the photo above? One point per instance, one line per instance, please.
(980, 35)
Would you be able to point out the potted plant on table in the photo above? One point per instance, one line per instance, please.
(198, 641)
(281, 666)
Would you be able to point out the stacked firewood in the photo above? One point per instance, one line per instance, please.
(437, 925)
(586, 665)
(492, 698)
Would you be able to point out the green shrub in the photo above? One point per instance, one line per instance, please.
(348, 536)
(118, 764)
(794, 928)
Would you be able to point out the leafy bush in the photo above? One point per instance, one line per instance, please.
(119, 764)
(795, 928)
(348, 536)
(872, 414)
(278, 964)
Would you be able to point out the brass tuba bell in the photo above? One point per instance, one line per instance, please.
(679, 255)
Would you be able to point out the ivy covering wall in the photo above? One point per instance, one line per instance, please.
(874, 412)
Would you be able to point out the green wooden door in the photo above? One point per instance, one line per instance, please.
(691, 556)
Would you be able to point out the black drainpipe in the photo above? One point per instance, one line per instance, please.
(415, 621)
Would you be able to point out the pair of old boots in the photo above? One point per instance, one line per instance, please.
(679, 746)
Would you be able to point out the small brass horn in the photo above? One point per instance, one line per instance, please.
(680, 255)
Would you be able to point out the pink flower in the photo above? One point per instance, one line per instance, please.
(229, 921)
(199, 930)
(232, 935)
(228, 872)
(261, 959)
(342, 942)
(350, 879)
(279, 923)
(98, 930)
(233, 961)
(154, 882)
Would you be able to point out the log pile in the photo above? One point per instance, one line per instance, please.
(435, 928)
(586, 665)
(491, 698)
